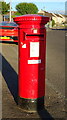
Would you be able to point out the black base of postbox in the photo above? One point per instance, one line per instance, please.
(31, 105)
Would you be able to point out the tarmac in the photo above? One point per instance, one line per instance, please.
(54, 107)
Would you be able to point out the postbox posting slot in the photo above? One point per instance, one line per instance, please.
(42, 35)
(34, 36)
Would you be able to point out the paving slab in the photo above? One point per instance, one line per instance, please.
(54, 107)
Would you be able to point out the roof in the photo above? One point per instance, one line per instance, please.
(12, 12)
(64, 15)
(42, 12)
(58, 15)
(49, 14)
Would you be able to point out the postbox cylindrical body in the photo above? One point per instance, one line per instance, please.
(32, 55)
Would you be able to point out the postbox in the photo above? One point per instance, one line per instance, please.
(32, 56)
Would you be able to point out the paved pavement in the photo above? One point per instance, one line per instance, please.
(56, 60)
(55, 80)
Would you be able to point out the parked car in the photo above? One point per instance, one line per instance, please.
(8, 31)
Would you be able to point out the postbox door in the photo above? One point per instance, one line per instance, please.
(32, 67)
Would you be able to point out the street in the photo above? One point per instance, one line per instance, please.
(56, 60)
(55, 79)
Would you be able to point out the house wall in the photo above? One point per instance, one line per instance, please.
(63, 17)
(0, 18)
(57, 19)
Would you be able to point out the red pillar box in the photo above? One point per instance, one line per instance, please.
(32, 50)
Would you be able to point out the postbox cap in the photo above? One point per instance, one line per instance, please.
(32, 17)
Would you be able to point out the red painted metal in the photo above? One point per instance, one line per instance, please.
(9, 33)
(32, 52)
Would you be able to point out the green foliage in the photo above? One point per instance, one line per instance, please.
(32, 8)
(17, 13)
(53, 23)
(26, 8)
(4, 7)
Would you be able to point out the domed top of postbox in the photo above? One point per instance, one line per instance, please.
(31, 18)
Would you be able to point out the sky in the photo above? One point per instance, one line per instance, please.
(56, 6)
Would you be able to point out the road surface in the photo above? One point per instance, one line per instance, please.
(55, 79)
(56, 60)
